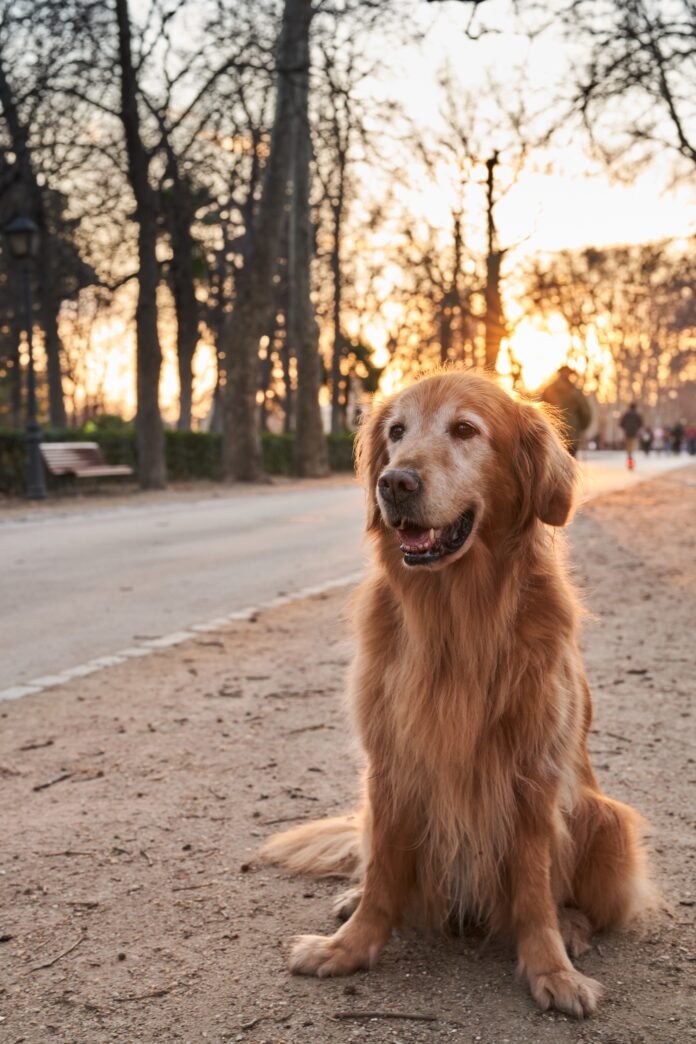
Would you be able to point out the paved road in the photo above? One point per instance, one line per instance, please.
(78, 583)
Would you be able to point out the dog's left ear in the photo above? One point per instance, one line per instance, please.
(371, 457)
(545, 468)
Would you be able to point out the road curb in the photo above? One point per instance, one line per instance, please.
(167, 641)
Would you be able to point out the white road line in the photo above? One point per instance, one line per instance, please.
(146, 648)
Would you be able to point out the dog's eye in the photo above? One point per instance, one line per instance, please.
(464, 430)
(396, 432)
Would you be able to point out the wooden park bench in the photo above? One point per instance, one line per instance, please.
(82, 460)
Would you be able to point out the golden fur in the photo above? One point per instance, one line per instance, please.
(471, 703)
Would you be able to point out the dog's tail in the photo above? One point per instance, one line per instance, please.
(324, 848)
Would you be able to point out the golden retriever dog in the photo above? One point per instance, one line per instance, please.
(471, 703)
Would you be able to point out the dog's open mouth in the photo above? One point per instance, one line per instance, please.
(424, 546)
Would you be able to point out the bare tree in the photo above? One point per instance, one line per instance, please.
(33, 52)
(151, 460)
(254, 290)
(630, 313)
(637, 88)
(311, 454)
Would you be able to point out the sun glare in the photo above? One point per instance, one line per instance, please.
(539, 346)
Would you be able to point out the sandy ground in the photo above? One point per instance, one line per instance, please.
(133, 801)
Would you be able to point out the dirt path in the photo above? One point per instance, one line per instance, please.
(133, 801)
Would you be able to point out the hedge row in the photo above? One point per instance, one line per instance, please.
(189, 454)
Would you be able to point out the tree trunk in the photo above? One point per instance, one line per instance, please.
(186, 304)
(49, 309)
(179, 214)
(311, 452)
(337, 407)
(494, 321)
(445, 330)
(150, 435)
(289, 401)
(254, 292)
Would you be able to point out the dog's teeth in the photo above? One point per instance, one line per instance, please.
(432, 536)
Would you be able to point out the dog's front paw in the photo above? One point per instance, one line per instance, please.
(324, 956)
(568, 991)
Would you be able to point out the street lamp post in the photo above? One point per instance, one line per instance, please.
(23, 238)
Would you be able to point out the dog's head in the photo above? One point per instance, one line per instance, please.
(454, 459)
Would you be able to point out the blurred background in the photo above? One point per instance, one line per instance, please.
(251, 217)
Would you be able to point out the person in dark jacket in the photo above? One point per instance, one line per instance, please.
(631, 423)
(571, 404)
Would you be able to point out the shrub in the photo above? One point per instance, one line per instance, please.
(190, 454)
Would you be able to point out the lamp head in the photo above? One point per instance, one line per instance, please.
(23, 237)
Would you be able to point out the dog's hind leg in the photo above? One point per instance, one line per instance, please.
(610, 884)
(576, 930)
(347, 903)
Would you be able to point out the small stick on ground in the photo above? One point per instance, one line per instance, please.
(307, 728)
(347, 1015)
(194, 887)
(283, 819)
(147, 996)
(52, 782)
(54, 960)
(37, 746)
(67, 852)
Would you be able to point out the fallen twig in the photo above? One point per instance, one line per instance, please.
(52, 782)
(37, 746)
(253, 1022)
(193, 887)
(283, 819)
(307, 728)
(347, 1015)
(147, 996)
(54, 960)
(67, 852)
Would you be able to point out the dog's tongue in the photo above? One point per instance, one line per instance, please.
(415, 537)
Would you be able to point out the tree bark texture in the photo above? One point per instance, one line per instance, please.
(49, 308)
(179, 215)
(150, 434)
(338, 404)
(254, 296)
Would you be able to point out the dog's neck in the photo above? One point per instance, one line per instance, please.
(468, 611)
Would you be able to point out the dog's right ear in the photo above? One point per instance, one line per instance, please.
(371, 457)
(547, 472)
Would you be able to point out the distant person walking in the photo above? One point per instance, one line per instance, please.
(630, 424)
(571, 404)
(646, 440)
(677, 437)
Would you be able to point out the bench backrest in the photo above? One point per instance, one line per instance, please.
(62, 458)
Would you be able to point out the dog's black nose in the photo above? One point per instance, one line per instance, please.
(398, 484)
